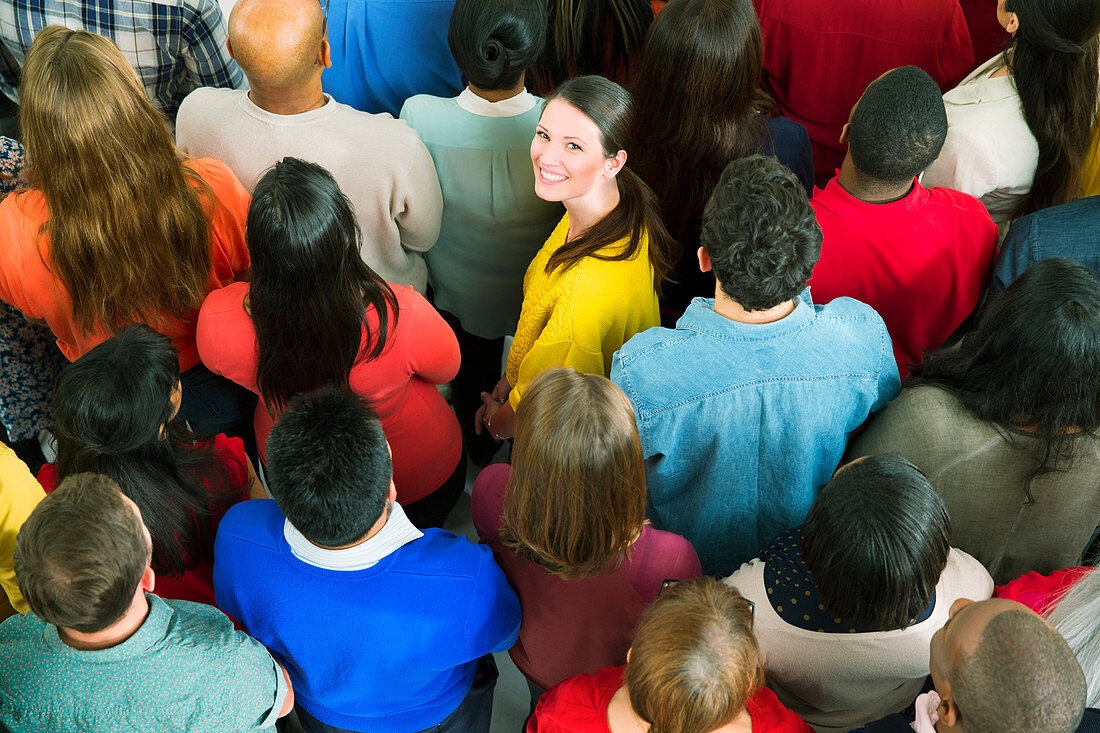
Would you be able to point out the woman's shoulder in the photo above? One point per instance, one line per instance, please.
(226, 303)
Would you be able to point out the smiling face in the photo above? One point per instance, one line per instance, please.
(567, 154)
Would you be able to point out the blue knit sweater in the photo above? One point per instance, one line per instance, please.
(389, 649)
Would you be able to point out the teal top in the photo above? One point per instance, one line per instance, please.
(185, 669)
(493, 223)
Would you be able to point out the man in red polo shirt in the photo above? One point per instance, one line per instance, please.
(919, 256)
(819, 57)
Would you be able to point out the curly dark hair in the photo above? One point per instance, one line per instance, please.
(1034, 360)
(760, 233)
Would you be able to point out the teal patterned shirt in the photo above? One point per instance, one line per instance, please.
(185, 669)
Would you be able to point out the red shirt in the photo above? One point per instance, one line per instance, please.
(579, 705)
(1038, 592)
(986, 33)
(572, 626)
(197, 584)
(27, 284)
(819, 57)
(922, 262)
(400, 384)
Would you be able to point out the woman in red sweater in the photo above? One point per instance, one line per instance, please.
(694, 667)
(116, 410)
(316, 314)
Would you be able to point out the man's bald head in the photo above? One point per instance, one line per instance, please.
(276, 42)
(1006, 669)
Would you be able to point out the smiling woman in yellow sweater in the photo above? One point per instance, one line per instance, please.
(593, 284)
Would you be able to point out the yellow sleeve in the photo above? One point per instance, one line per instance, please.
(19, 495)
(547, 353)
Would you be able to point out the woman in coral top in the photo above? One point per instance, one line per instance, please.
(116, 228)
(593, 284)
(694, 667)
(116, 410)
(316, 314)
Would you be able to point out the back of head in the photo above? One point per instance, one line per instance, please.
(1077, 618)
(876, 541)
(1020, 678)
(113, 400)
(1034, 359)
(760, 233)
(576, 433)
(495, 41)
(80, 555)
(114, 410)
(310, 287)
(128, 234)
(698, 101)
(898, 126)
(329, 467)
(694, 661)
(592, 37)
(277, 42)
(1053, 57)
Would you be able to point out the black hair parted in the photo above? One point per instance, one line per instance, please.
(495, 41)
(898, 126)
(329, 466)
(760, 233)
(876, 541)
(311, 290)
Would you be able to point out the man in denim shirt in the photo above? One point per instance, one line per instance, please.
(744, 409)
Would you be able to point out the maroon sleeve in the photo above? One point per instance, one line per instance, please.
(487, 499)
(957, 53)
(658, 556)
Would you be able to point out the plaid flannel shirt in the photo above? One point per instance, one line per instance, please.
(175, 45)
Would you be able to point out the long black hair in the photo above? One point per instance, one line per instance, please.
(114, 415)
(638, 213)
(1053, 60)
(1034, 361)
(310, 288)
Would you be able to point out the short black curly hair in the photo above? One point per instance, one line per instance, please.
(898, 126)
(760, 233)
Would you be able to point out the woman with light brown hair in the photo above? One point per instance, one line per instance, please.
(694, 667)
(116, 227)
(566, 523)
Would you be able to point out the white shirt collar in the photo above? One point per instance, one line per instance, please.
(396, 532)
(510, 107)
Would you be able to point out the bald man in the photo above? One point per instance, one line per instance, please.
(998, 667)
(379, 162)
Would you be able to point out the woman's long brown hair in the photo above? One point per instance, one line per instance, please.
(128, 232)
(576, 499)
(699, 104)
(1053, 60)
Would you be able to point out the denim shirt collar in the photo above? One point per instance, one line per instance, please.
(700, 317)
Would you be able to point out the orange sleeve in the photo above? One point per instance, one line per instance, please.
(229, 251)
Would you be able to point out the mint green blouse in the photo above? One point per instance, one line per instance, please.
(493, 223)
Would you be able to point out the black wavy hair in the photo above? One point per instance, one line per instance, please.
(494, 41)
(310, 288)
(760, 233)
(328, 466)
(1033, 363)
(113, 408)
(898, 126)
